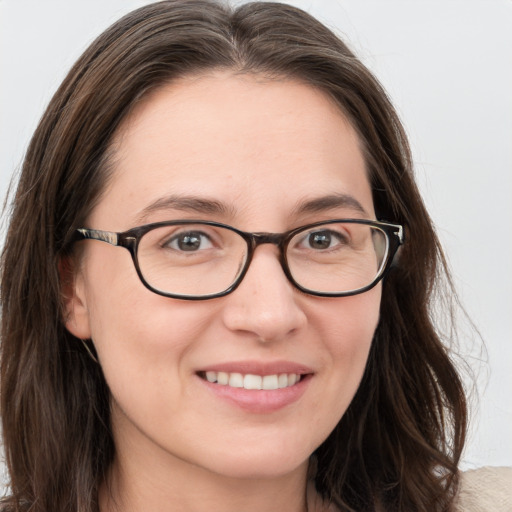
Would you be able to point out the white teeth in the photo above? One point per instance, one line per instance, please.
(223, 378)
(250, 381)
(282, 381)
(270, 382)
(236, 380)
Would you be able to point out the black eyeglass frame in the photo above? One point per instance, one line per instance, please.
(130, 240)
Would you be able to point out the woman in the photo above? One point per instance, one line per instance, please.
(265, 341)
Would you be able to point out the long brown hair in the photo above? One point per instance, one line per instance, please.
(398, 445)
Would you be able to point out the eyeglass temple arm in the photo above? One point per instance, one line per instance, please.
(96, 234)
(399, 233)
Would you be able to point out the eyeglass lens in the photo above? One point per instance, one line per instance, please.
(201, 259)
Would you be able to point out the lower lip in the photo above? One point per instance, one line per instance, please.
(258, 400)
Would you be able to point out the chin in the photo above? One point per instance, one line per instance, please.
(255, 462)
(261, 470)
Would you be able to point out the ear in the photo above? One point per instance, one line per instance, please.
(75, 312)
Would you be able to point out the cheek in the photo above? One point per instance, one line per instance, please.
(134, 330)
(143, 343)
(350, 323)
(121, 309)
(142, 330)
(349, 327)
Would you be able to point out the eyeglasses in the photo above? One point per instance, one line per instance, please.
(197, 260)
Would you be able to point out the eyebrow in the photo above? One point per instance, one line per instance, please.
(190, 204)
(330, 202)
(205, 205)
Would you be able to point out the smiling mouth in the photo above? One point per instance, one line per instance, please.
(251, 381)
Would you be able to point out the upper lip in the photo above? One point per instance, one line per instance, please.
(258, 367)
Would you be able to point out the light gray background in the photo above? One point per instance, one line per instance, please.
(447, 65)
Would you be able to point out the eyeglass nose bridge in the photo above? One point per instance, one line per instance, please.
(280, 240)
(261, 238)
(267, 238)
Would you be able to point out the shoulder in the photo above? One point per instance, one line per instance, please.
(488, 489)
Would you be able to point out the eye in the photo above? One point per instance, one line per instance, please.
(189, 241)
(322, 240)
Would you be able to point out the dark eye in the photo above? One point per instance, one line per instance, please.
(323, 240)
(189, 242)
(320, 240)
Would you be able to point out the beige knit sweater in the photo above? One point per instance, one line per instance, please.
(487, 489)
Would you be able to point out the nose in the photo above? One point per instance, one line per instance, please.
(265, 303)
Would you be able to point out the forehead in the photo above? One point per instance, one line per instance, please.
(244, 141)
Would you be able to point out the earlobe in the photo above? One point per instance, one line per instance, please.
(74, 304)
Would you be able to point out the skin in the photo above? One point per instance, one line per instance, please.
(261, 148)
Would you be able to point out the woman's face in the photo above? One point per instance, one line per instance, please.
(258, 155)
